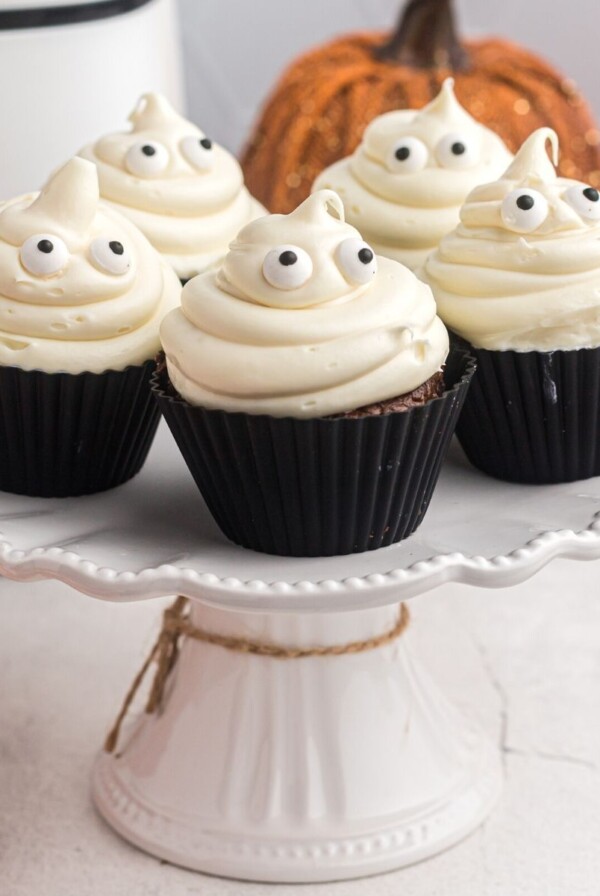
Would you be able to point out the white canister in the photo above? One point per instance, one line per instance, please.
(73, 69)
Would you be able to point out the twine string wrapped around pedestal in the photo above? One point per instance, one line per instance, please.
(177, 625)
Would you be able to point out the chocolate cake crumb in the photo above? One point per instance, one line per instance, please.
(431, 388)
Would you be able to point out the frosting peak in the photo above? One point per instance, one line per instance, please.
(445, 108)
(152, 111)
(81, 289)
(67, 202)
(184, 191)
(531, 162)
(318, 208)
(302, 320)
(404, 184)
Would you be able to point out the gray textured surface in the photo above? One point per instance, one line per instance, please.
(524, 661)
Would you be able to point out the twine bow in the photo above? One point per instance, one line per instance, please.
(177, 625)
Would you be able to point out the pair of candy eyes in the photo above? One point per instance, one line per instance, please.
(523, 211)
(410, 154)
(148, 158)
(45, 254)
(289, 267)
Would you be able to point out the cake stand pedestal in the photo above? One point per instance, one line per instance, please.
(309, 769)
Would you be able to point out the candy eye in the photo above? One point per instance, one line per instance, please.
(585, 201)
(456, 151)
(357, 261)
(524, 210)
(199, 152)
(44, 254)
(287, 267)
(147, 159)
(110, 255)
(407, 155)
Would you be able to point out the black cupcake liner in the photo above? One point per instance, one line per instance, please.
(322, 486)
(67, 434)
(534, 417)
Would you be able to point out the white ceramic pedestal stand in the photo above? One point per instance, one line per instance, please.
(298, 770)
(307, 769)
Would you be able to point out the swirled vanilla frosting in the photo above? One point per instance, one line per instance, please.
(302, 320)
(182, 190)
(405, 183)
(81, 289)
(522, 270)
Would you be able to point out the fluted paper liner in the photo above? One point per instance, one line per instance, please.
(534, 417)
(67, 434)
(321, 486)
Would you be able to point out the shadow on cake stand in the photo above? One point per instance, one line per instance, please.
(311, 769)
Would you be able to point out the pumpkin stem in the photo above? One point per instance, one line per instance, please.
(425, 37)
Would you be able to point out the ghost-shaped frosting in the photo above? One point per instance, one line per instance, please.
(405, 183)
(302, 320)
(81, 289)
(522, 270)
(182, 190)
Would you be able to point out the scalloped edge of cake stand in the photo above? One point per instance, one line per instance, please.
(376, 589)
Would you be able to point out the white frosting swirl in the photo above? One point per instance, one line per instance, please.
(319, 344)
(526, 279)
(404, 207)
(190, 201)
(62, 306)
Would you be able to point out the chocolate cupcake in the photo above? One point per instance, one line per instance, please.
(519, 279)
(180, 188)
(82, 293)
(405, 183)
(268, 360)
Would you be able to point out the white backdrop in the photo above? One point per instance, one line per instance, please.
(234, 49)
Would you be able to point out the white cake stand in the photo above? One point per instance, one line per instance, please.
(310, 769)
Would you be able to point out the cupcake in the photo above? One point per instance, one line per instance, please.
(182, 190)
(519, 279)
(82, 293)
(405, 183)
(303, 385)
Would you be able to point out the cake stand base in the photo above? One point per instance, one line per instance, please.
(298, 770)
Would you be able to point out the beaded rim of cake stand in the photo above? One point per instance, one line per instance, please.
(375, 589)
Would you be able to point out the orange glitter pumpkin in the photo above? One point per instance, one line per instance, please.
(323, 102)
